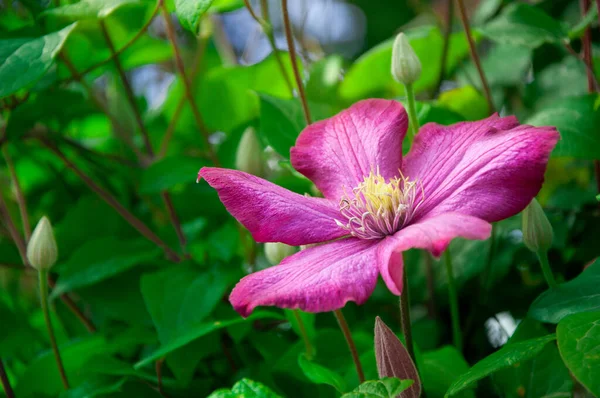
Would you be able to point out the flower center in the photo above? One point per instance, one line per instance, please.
(378, 208)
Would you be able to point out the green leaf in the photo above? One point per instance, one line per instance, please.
(89, 9)
(576, 118)
(524, 25)
(466, 101)
(168, 172)
(579, 29)
(190, 12)
(388, 387)
(245, 388)
(282, 120)
(24, 61)
(578, 295)
(508, 355)
(320, 374)
(98, 386)
(370, 75)
(439, 368)
(101, 259)
(579, 344)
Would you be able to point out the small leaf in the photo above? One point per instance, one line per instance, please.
(508, 355)
(393, 359)
(524, 25)
(579, 344)
(169, 172)
(389, 387)
(320, 374)
(24, 61)
(576, 118)
(89, 9)
(245, 388)
(190, 12)
(577, 295)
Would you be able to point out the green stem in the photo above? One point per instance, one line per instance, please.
(309, 348)
(543, 257)
(405, 317)
(453, 297)
(350, 341)
(412, 110)
(43, 279)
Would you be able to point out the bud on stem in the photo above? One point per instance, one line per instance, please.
(275, 251)
(42, 251)
(249, 157)
(406, 67)
(537, 236)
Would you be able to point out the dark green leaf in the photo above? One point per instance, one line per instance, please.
(579, 343)
(508, 355)
(578, 295)
(168, 172)
(439, 368)
(320, 374)
(24, 61)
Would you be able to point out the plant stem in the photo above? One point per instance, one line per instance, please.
(114, 203)
(12, 230)
(19, 194)
(292, 50)
(158, 368)
(8, 391)
(73, 308)
(429, 273)
(487, 272)
(446, 47)
(43, 279)
(405, 317)
(486, 88)
(546, 270)
(187, 85)
(412, 110)
(453, 298)
(348, 336)
(307, 345)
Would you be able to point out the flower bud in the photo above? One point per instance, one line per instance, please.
(249, 157)
(42, 251)
(275, 251)
(406, 67)
(537, 231)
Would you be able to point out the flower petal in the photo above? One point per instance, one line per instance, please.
(272, 213)
(342, 150)
(489, 169)
(433, 234)
(318, 279)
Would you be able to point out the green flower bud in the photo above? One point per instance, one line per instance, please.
(42, 251)
(275, 252)
(406, 67)
(537, 231)
(249, 157)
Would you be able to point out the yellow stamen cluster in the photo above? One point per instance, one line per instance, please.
(378, 208)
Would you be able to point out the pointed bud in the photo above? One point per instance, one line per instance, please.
(41, 250)
(406, 67)
(537, 231)
(275, 251)
(249, 157)
(393, 359)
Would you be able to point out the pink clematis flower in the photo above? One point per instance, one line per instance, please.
(454, 181)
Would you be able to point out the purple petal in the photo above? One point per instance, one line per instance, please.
(433, 234)
(272, 213)
(318, 279)
(489, 169)
(340, 151)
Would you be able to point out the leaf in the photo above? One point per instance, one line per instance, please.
(101, 259)
(524, 25)
(389, 387)
(578, 30)
(466, 101)
(320, 374)
(370, 74)
(168, 172)
(580, 294)
(24, 61)
(282, 120)
(89, 9)
(579, 344)
(245, 388)
(576, 118)
(439, 368)
(508, 355)
(393, 360)
(98, 386)
(190, 12)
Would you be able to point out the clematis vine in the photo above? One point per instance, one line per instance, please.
(454, 182)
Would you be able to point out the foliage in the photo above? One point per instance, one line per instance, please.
(101, 133)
